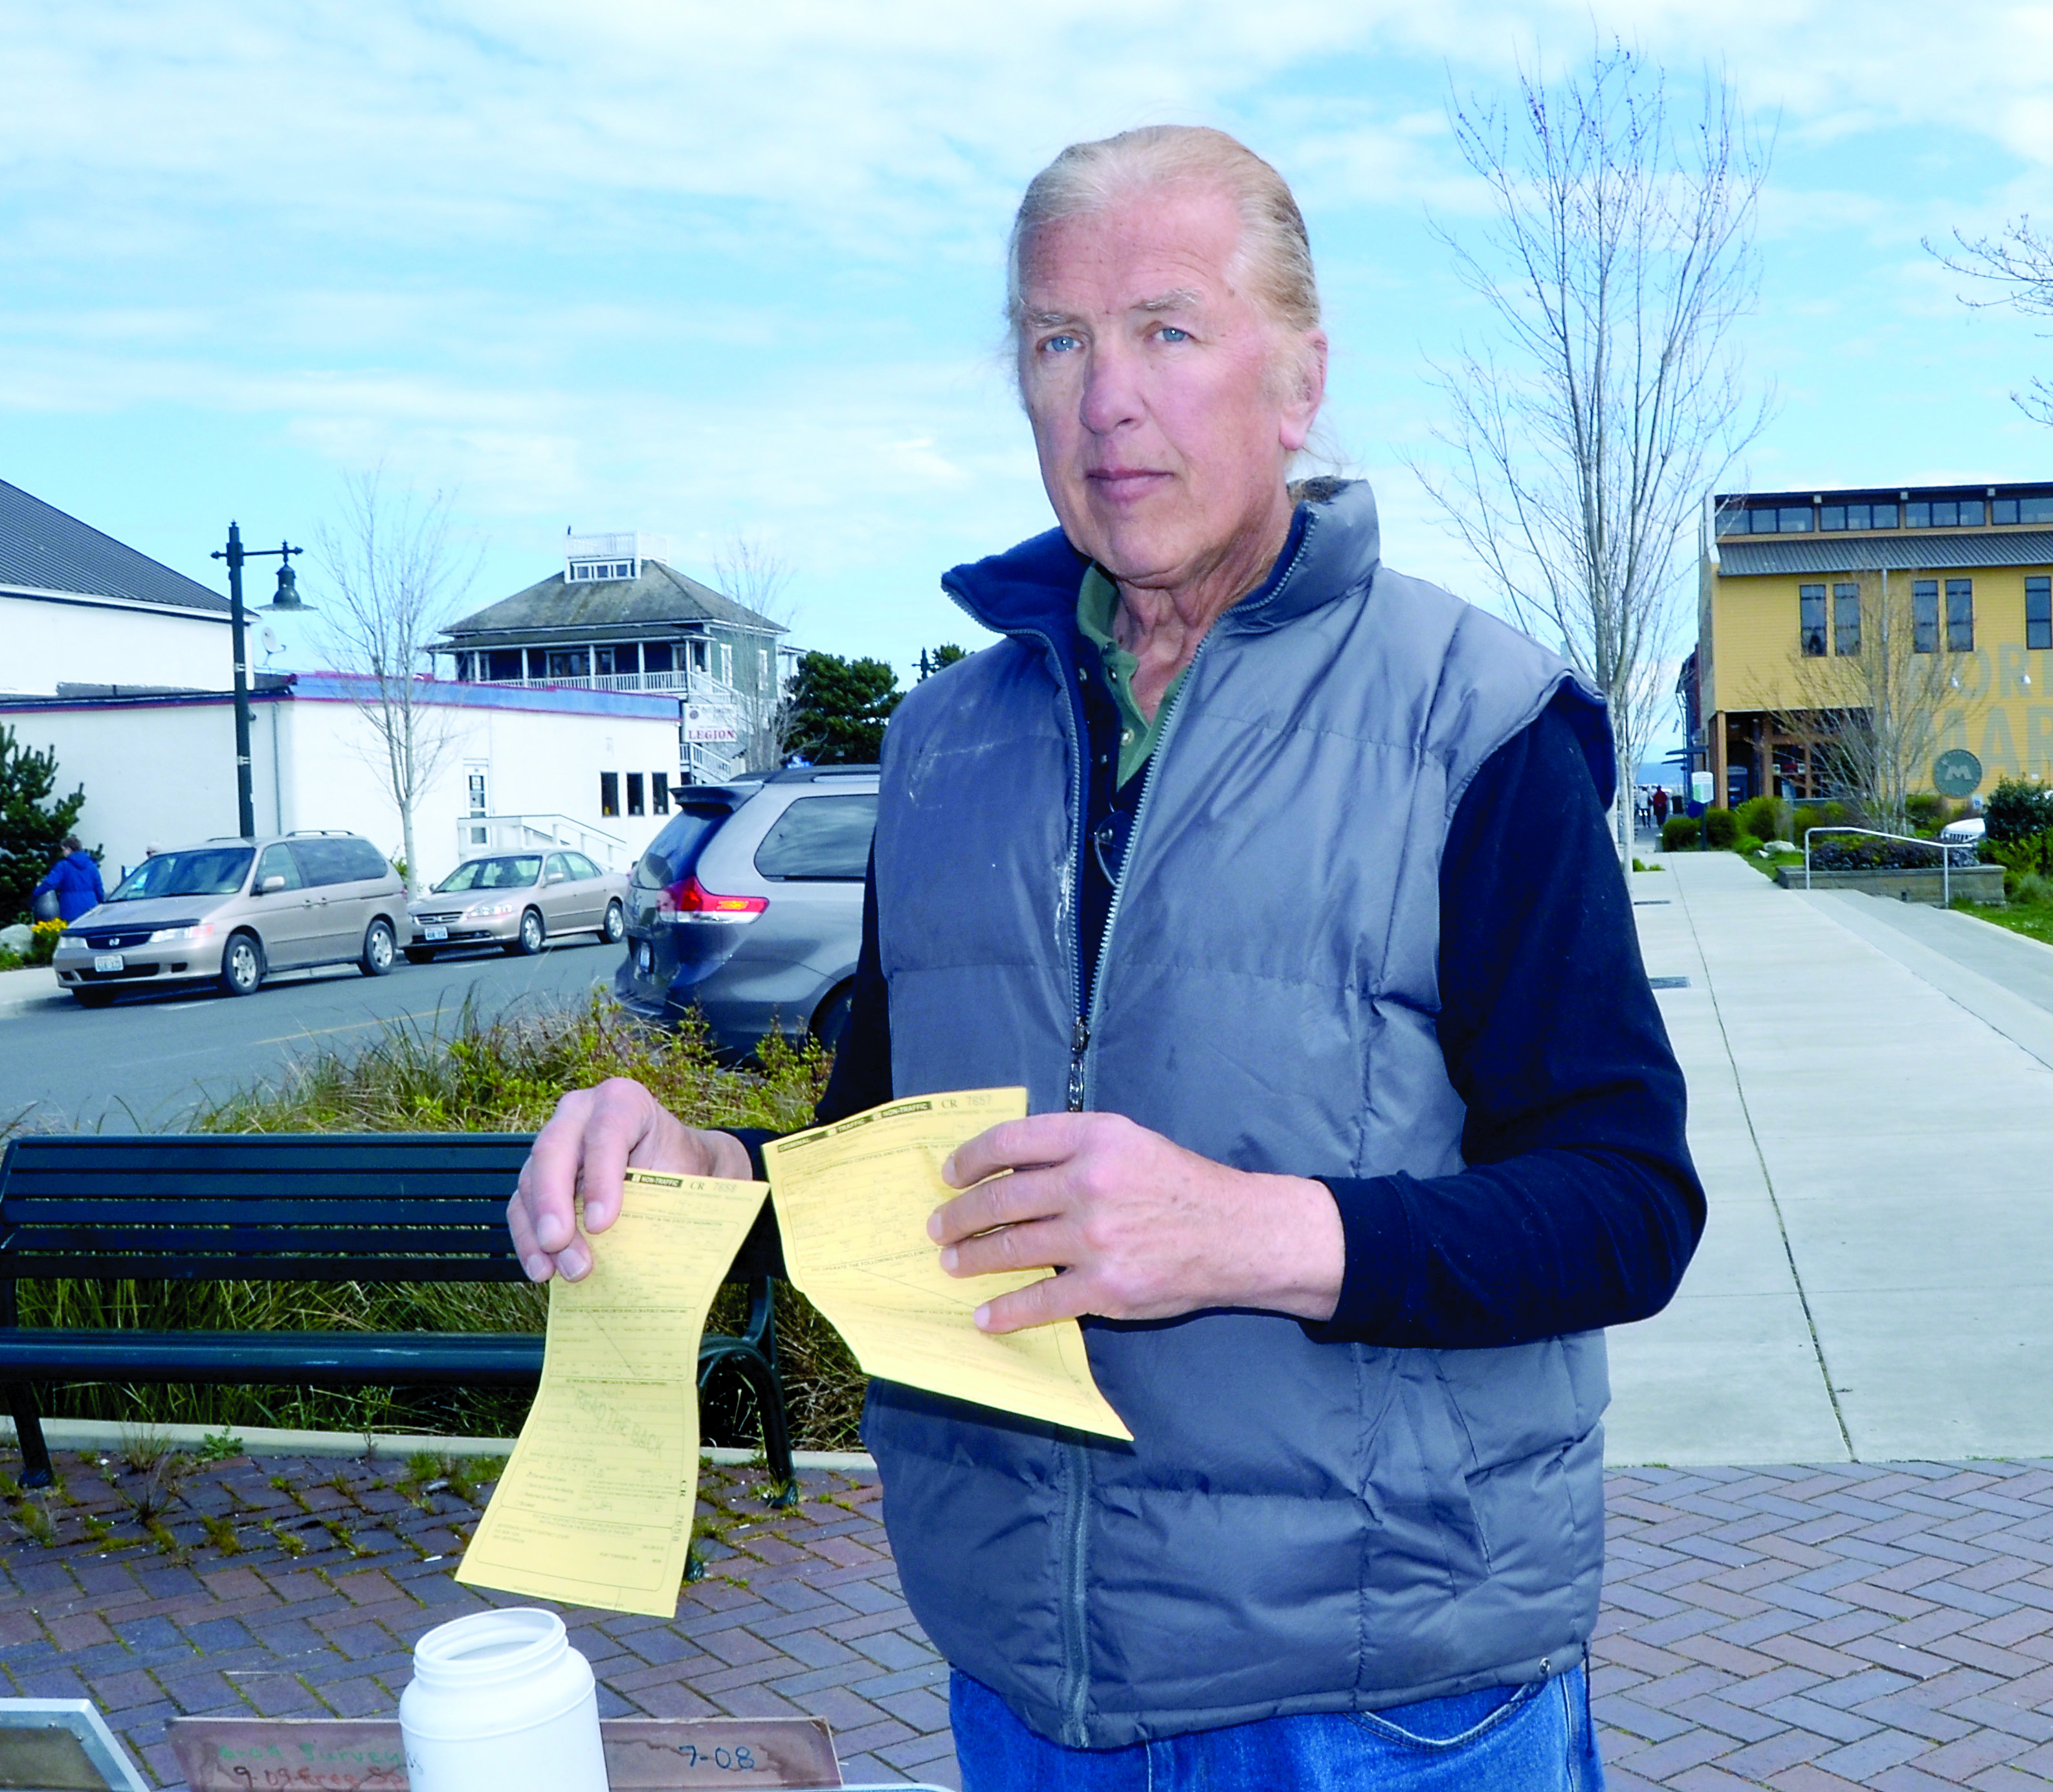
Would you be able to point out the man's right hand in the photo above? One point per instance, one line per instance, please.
(591, 1140)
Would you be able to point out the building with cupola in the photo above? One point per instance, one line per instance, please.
(618, 616)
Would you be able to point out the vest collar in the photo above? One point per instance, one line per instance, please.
(1334, 546)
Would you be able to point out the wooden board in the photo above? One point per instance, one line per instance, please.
(643, 1754)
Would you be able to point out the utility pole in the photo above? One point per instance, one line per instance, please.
(235, 554)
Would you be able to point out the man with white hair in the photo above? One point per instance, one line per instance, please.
(1283, 883)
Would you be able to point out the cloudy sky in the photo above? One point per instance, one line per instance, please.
(721, 270)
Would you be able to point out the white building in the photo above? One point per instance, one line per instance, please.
(78, 606)
(595, 769)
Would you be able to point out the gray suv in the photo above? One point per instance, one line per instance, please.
(748, 907)
(231, 911)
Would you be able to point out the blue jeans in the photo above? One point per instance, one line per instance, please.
(1504, 1738)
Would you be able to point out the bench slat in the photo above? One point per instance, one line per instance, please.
(164, 1184)
(474, 1216)
(255, 1242)
(314, 1358)
(227, 1267)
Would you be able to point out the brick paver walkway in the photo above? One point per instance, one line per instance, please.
(1808, 1630)
(297, 1588)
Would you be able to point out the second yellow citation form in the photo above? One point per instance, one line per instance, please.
(853, 1202)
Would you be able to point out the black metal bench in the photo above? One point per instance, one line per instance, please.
(296, 1207)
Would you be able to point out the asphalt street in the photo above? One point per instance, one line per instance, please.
(145, 1063)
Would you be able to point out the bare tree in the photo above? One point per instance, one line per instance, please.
(1584, 432)
(2018, 262)
(1871, 694)
(755, 574)
(394, 575)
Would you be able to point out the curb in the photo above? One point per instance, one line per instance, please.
(16, 993)
(257, 1440)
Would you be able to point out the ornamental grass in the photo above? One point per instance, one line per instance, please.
(462, 1073)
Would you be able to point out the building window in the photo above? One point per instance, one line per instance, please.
(659, 793)
(763, 671)
(1785, 519)
(503, 666)
(2022, 510)
(582, 572)
(1857, 516)
(474, 782)
(572, 662)
(1845, 620)
(2038, 613)
(609, 793)
(635, 806)
(1925, 615)
(1959, 616)
(1811, 615)
(656, 656)
(726, 666)
(614, 660)
(1965, 513)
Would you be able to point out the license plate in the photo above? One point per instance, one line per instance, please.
(645, 959)
(109, 961)
(434, 933)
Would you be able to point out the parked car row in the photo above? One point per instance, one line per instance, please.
(747, 908)
(231, 912)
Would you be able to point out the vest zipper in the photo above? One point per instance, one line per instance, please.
(1080, 1039)
(1075, 1541)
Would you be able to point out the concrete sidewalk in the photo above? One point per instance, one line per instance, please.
(1870, 1090)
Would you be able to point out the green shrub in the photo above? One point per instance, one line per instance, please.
(1926, 811)
(1820, 815)
(1746, 842)
(476, 1075)
(1764, 817)
(1680, 832)
(1720, 830)
(2019, 820)
(2031, 891)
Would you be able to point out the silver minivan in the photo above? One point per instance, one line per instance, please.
(234, 911)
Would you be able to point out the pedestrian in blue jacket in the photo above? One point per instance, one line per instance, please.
(1283, 883)
(75, 880)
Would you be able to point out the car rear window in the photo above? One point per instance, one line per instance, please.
(339, 861)
(673, 852)
(820, 836)
(205, 871)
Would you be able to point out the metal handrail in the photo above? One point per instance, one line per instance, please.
(1945, 849)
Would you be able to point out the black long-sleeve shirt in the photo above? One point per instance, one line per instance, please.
(1579, 1207)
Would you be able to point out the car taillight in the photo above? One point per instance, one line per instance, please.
(689, 900)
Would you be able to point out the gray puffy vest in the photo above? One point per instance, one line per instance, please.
(1297, 1527)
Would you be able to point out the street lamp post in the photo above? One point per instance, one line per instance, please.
(235, 554)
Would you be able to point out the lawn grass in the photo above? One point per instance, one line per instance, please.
(2033, 920)
(500, 1075)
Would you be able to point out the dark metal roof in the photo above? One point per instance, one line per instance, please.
(45, 550)
(1927, 550)
(600, 609)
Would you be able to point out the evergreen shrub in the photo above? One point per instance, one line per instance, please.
(1720, 830)
(1680, 832)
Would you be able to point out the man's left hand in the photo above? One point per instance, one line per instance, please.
(1142, 1228)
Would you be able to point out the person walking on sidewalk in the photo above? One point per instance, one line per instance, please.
(74, 879)
(1283, 883)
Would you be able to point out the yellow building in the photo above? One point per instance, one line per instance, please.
(1794, 589)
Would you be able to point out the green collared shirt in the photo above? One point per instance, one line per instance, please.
(1097, 602)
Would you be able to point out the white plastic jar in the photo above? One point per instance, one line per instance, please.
(500, 1702)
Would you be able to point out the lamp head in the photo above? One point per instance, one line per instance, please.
(287, 595)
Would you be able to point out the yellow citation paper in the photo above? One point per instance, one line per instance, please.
(595, 1507)
(853, 1201)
